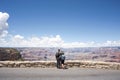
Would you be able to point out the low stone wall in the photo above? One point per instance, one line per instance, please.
(52, 64)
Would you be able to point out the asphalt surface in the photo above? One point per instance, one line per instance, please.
(58, 74)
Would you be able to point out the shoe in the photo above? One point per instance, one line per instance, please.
(65, 67)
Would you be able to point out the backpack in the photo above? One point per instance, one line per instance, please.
(62, 57)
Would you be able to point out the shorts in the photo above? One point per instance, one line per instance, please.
(62, 61)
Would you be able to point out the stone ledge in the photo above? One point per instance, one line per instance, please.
(52, 64)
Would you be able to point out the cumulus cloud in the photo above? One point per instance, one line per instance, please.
(54, 41)
(45, 41)
(112, 43)
(3, 24)
(9, 40)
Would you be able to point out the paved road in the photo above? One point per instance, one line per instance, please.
(58, 74)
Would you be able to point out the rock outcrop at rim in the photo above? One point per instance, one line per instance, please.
(52, 64)
(9, 54)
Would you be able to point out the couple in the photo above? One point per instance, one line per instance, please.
(60, 57)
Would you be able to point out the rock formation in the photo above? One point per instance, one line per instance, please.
(9, 54)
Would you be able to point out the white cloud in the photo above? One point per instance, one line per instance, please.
(8, 40)
(18, 37)
(112, 43)
(3, 24)
(55, 41)
(20, 41)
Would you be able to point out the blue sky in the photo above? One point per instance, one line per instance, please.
(73, 20)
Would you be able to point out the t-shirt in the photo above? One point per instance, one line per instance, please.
(57, 55)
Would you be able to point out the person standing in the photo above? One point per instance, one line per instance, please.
(57, 55)
(62, 60)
